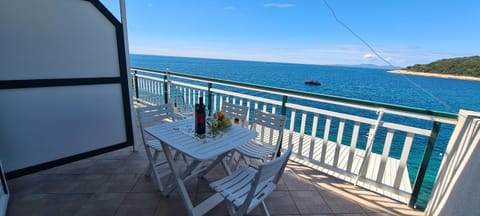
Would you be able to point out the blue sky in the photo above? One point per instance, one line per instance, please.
(304, 31)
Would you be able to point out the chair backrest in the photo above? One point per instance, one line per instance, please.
(180, 103)
(156, 113)
(265, 181)
(234, 112)
(273, 170)
(270, 127)
(150, 115)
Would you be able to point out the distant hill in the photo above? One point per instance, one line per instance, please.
(463, 66)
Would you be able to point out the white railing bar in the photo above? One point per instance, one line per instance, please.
(302, 133)
(403, 159)
(248, 113)
(214, 102)
(149, 77)
(326, 133)
(220, 104)
(353, 146)
(386, 110)
(190, 85)
(336, 154)
(406, 128)
(313, 136)
(251, 97)
(331, 113)
(385, 153)
(395, 126)
(292, 125)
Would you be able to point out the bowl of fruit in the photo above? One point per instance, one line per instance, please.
(220, 120)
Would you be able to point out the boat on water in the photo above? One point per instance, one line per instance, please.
(313, 82)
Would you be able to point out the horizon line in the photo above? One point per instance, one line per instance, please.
(277, 62)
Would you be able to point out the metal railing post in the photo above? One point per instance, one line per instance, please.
(284, 113)
(135, 83)
(165, 87)
(209, 99)
(423, 166)
(284, 107)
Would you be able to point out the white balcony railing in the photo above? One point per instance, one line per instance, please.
(367, 143)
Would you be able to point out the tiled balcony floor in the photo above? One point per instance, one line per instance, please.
(114, 184)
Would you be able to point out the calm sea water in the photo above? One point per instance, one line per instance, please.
(361, 83)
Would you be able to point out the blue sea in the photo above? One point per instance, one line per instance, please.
(377, 85)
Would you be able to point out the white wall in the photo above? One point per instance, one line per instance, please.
(41, 124)
(57, 39)
(457, 190)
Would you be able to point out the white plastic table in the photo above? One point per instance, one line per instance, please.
(176, 135)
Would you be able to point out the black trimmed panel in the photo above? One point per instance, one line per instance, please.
(122, 80)
(14, 84)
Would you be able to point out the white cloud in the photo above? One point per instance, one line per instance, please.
(369, 56)
(279, 5)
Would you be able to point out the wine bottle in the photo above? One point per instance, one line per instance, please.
(200, 117)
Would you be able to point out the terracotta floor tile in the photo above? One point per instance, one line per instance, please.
(280, 202)
(144, 184)
(338, 204)
(28, 204)
(106, 167)
(295, 182)
(47, 204)
(102, 204)
(220, 209)
(120, 183)
(172, 205)
(310, 202)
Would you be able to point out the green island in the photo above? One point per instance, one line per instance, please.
(463, 66)
(467, 68)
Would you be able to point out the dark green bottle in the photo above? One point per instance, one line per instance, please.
(200, 117)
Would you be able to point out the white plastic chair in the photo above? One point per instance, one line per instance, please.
(270, 127)
(149, 116)
(247, 186)
(236, 112)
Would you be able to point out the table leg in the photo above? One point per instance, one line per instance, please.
(151, 168)
(219, 159)
(179, 181)
(185, 174)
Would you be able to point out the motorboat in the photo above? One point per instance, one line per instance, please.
(313, 82)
